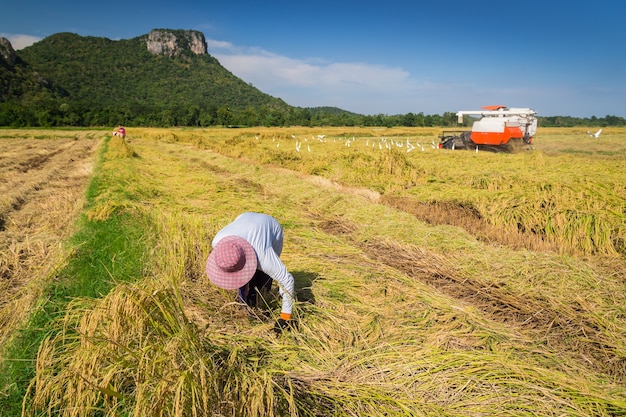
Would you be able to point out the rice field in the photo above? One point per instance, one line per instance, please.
(429, 282)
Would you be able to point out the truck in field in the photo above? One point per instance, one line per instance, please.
(499, 129)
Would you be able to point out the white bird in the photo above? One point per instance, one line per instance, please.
(409, 147)
(595, 135)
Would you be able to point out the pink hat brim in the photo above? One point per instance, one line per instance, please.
(237, 279)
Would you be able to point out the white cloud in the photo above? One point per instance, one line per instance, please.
(20, 41)
(213, 44)
(271, 71)
(355, 86)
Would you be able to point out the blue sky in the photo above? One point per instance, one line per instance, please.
(386, 57)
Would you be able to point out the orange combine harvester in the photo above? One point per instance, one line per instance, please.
(499, 128)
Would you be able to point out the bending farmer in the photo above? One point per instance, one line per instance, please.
(120, 131)
(246, 256)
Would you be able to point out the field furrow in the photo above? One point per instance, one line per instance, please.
(567, 327)
(42, 182)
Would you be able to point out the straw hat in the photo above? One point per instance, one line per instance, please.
(232, 263)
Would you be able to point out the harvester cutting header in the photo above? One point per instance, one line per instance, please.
(499, 128)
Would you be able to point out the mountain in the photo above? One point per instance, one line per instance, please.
(163, 78)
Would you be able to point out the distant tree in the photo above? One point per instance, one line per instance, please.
(224, 116)
(302, 117)
(449, 119)
(206, 119)
(249, 117)
(409, 119)
(167, 118)
(614, 121)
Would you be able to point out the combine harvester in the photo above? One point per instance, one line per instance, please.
(499, 129)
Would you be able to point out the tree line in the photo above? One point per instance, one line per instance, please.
(47, 112)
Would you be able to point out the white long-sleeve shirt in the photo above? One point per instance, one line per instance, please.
(265, 235)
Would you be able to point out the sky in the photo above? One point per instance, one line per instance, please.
(386, 57)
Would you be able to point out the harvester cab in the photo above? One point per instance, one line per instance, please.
(499, 128)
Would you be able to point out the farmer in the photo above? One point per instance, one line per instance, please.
(246, 256)
(120, 132)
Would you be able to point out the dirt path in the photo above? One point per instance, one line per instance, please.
(42, 183)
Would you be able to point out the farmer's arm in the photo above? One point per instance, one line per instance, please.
(274, 267)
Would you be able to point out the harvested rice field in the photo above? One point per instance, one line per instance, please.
(429, 282)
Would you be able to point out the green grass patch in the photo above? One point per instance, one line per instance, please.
(106, 252)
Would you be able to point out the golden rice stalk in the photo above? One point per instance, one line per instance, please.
(136, 352)
(119, 148)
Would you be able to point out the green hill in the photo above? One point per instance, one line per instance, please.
(22, 88)
(154, 79)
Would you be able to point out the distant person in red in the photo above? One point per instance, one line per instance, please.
(120, 131)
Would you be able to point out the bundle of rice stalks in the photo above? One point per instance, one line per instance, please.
(135, 353)
(119, 148)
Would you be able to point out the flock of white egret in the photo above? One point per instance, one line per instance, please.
(381, 144)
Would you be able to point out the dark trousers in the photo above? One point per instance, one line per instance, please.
(248, 293)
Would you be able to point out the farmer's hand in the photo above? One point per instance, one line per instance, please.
(281, 324)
